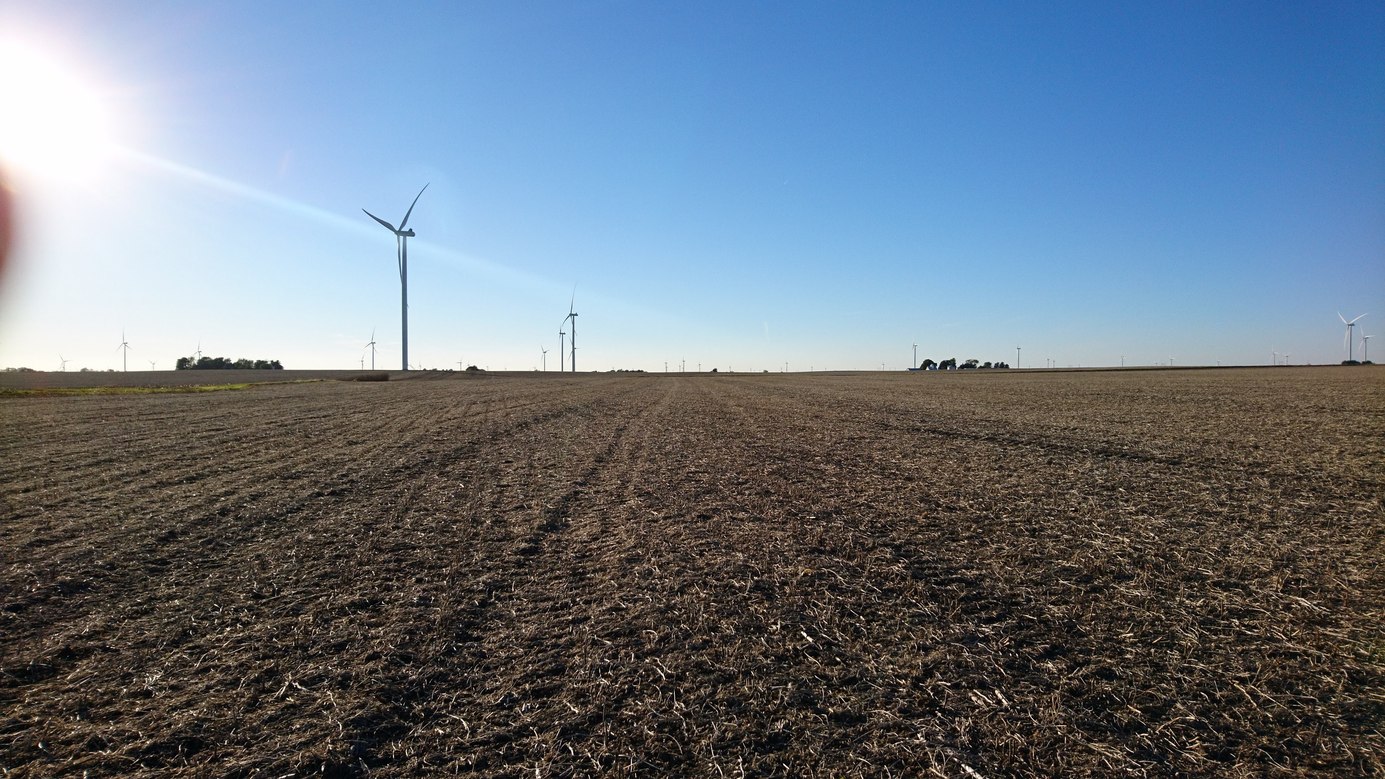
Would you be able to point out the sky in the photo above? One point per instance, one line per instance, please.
(741, 185)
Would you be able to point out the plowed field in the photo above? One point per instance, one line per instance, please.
(1144, 573)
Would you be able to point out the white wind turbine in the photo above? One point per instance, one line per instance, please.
(572, 315)
(545, 358)
(64, 362)
(561, 336)
(371, 346)
(402, 236)
(125, 358)
(1365, 347)
(1350, 328)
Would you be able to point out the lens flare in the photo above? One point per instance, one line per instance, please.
(56, 124)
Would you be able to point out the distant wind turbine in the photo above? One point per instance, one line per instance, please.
(916, 354)
(125, 358)
(197, 354)
(64, 361)
(402, 236)
(1350, 328)
(1365, 347)
(561, 335)
(151, 365)
(545, 358)
(371, 346)
(572, 315)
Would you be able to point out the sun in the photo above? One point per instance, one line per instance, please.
(56, 123)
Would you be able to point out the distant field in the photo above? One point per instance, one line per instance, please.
(1164, 573)
(74, 379)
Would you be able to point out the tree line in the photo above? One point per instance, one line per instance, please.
(224, 364)
(950, 364)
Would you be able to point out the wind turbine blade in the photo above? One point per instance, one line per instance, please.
(411, 207)
(1352, 322)
(1339, 316)
(387, 225)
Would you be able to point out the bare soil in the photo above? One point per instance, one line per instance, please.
(1014, 574)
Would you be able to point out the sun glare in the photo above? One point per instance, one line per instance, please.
(55, 123)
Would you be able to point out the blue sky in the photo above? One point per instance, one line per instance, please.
(736, 185)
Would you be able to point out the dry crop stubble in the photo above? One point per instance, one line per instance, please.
(1149, 573)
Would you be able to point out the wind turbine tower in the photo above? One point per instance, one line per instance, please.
(561, 341)
(401, 237)
(1365, 347)
(371, 346)
(572, 342)
(545, 358)
(124, 358)
(1350, 330)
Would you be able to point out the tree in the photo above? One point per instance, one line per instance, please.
(928, 365)
(950, 364)
(221, 363)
